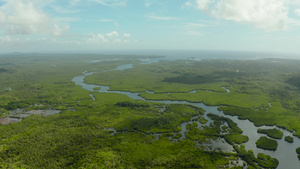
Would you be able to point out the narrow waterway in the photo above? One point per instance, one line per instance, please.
(285, 152)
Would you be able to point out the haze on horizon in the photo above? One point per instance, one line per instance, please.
(97, 25)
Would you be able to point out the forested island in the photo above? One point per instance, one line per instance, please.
(123, 111)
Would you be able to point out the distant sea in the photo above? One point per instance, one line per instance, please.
(203, 54)
(178, 54)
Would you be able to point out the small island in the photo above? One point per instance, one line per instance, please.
(289, 139)
(273, 133)
(266, 143)
(298, 152)
(96, 88)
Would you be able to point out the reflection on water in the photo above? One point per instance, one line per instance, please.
(227, 90)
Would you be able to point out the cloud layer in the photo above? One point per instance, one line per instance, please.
(270, 15)
(23, 17)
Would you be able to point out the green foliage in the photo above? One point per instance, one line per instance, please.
(132, 104)
(213, 98)
(294, 80)
(262, 160)
(236, 138)
(78, 136)
(266, 143)
(253, 85)
(3, 112)
(2, 70)
(275, 115)
(177, 136)
(96, 88)
(230, 123)
(165, 121)
(274, 133)
(266, 161)
(298, 150)
(289, 139)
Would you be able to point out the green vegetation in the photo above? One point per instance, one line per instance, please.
(166, 121)
(298, 150)
(266, 161)
(80, 136)
(274, 133)
(262, 160)
(3, 112)
(236, 138)
(96, 88)
(289, 139)
(253, 85)
(266, 143)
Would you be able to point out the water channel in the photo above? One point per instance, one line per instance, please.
(285, 152)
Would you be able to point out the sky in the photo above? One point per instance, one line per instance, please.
(97, 25)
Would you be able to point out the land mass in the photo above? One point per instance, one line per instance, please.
(111, 130)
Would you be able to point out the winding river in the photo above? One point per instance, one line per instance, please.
(285, 152)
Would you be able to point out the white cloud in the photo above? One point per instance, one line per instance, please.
(122, 3)
(113, 34)
(106, 20)
(109, 20)
(147, 4)
(126, 35)
(111, 3)
(96, 39)
(24, 43)
(64, 11)
(297, 12)
(74, 2)
(23, 17)
(108, 38)
(65, 19)
(270, 15)
(59, 30)
(188, 4)
(203, 4)
(161, 17)
(23, 14)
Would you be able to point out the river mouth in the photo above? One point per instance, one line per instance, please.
(285, 152)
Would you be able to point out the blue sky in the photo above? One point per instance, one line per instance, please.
(96, 25)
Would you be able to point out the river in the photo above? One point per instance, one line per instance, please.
(285, 152)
